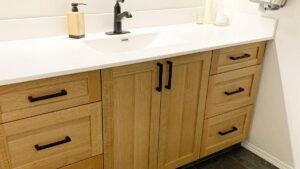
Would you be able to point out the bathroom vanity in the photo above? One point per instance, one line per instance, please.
(156, 114)
(166, 113)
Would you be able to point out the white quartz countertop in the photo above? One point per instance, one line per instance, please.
(26, 60)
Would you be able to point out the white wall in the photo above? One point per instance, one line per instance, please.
(11, 9)
(269, 130)
(275, 124)
(287, 42)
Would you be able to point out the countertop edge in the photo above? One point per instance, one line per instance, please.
(99, 67)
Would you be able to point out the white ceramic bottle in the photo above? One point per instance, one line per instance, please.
(221, 18)
(210, 11)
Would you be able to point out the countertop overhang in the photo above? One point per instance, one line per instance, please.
(26, 60)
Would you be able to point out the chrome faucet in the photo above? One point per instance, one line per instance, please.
(118, 16)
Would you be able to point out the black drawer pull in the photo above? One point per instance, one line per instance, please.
(240, 57)
(160, 78)
(66, 140)
(169, 85)
(234, 92)
(229, 131)
(35, 99)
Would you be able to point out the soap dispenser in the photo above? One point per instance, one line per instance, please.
(76, 26)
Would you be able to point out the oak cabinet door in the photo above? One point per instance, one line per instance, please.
(131, 116)
(182, 109)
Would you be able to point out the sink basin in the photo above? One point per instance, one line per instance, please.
(129, 43)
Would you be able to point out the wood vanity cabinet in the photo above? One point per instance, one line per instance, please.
(159, 114)
(168, 113)
(154, 102)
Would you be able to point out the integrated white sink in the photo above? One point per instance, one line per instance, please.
(126, 43)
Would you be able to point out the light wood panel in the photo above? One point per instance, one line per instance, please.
(4, 154)
(131, 116)
(91, 163)
(81, 89)
(222, 61)
(83, 126)
(213, 141)
(182, 110)
(218, 102)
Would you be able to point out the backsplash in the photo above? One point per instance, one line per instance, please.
(44, 18)
(56, 26)
(16, 9)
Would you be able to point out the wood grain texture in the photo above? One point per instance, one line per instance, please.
(4, 154)
(131, 108)
(218, 102)
(78, 123)
(221, 61)
(82, 88)
(182, 110)
(212, 141)
(91, 163)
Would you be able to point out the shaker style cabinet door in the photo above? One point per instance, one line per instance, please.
(131, 116)
(182, 109)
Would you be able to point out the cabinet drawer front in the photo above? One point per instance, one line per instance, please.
(91, 163)
(54, 140)
(231, 90)
(225, 130)
(47, 95)
(232, 58)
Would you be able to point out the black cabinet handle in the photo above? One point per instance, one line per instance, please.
(35, 99)
(246, 55)
(66, 140)
(169, 85)
(234, 92)
(229, 131)
(160, 78)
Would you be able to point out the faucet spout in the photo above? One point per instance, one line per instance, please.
(124, 14)
(118, 16)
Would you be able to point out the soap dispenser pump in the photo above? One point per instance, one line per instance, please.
(76, 26)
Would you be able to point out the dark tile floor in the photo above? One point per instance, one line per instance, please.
(238, 158)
